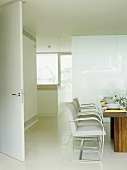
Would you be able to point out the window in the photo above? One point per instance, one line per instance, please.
(47, 68)
(55, 68)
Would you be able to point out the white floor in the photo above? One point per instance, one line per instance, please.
(49, 147)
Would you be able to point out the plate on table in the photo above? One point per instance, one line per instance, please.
(113, 106)
(108, 97)
(109, 100)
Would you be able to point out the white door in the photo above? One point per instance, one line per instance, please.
(11, 82)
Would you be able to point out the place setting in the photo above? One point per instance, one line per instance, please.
(117, 103)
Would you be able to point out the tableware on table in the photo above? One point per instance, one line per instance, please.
(108, 97)
(109, 100)
(113, 106)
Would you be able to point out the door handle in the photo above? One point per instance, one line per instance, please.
(14, 94)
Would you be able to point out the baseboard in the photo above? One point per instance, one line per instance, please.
(45, 114)
(30, 122)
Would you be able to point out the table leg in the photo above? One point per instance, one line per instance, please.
(112, 127)
(120, 134)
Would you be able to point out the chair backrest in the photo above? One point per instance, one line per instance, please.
(76, 106)
(72, 116)
(77, 101)
(90, 105)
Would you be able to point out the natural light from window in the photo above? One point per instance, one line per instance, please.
(47, 68)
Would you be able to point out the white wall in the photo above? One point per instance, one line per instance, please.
(30, 80)
(99, 66)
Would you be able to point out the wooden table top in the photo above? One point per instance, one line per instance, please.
(114, 114)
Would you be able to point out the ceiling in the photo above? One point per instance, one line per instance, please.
(53, 22)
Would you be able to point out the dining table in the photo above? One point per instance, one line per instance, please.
(118, 128)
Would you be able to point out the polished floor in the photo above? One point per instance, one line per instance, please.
(49, 147)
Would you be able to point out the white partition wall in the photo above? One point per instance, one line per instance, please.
(98, 66)
(122, 57)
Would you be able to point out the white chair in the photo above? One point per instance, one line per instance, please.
(87, 111)
(86, 105)
(87, 129)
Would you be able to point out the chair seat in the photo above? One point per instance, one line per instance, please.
(89, 127)
(89, 131)
(89, 123)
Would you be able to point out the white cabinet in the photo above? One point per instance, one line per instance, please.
(51, 100)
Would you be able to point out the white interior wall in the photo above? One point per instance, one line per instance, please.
(30, 80)
(99, 66)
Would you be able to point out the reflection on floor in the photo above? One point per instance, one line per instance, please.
(49, 147)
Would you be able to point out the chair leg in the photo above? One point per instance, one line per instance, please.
(102, 147)
(83, 140)
(98, 149)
